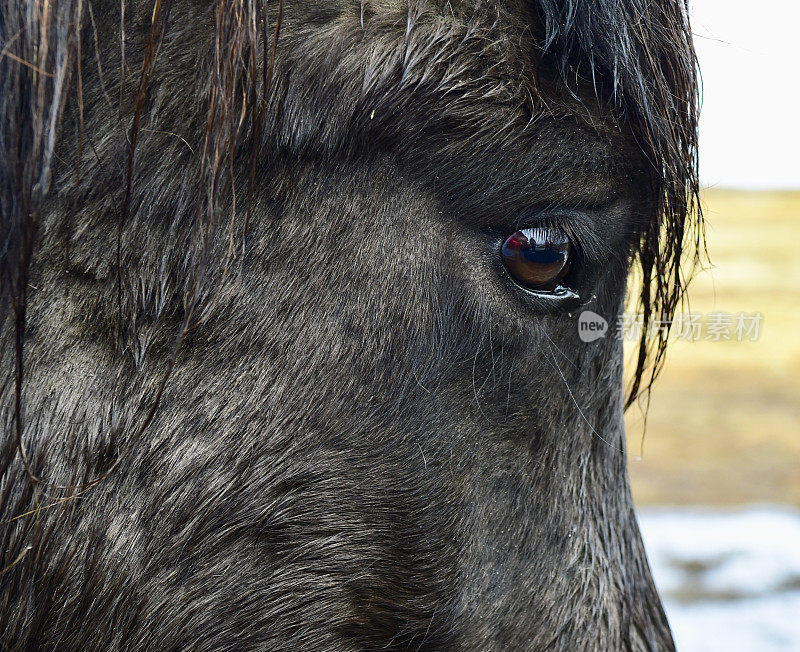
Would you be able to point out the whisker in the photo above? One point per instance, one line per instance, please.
(578, 407)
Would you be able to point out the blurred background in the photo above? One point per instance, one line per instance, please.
(716, 476)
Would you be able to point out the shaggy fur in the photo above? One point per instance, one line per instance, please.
(264, 382)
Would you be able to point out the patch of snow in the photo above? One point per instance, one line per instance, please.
(730, 580)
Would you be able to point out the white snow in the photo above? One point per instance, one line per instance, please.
(730, 580)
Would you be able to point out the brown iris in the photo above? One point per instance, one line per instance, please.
(537, 259)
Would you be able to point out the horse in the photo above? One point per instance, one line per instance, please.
(291, 297)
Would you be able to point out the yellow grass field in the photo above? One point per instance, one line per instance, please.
(724, 422)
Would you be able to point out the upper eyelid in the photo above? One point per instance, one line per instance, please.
(555, 215)
(563, 218)
(577, 223)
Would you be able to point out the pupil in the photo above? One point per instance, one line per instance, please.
(537, 258)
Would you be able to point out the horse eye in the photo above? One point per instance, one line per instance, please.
(537, 259)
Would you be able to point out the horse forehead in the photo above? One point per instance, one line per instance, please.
(448, 83)
(437, 62)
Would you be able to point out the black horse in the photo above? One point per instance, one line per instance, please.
(290, 306)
